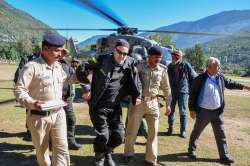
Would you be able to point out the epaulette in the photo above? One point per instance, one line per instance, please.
(163, 66)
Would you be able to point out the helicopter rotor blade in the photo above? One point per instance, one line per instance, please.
(188, 33)
(73, 29)
(242, 34)
(99, 8)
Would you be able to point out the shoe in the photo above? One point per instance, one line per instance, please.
(226, 160)
(129, 159)
(183, 134)
(148, 163)
(109, 160)
(74, 146)
(99, 159)
(170, 131)
(99, 162)
(27, 137)
(192, 155)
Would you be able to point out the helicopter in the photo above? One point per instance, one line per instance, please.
(138, 44)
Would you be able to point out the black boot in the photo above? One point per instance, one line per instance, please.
(183, 134)
(226, 160)
(73, 145)
(192, 155)
(170, 131)
(99, 159)
(109, 160)
(27, 136)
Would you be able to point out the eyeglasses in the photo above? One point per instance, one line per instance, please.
(121, 53)
(176, 55)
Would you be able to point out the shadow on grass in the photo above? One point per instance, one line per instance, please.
(12, 147)
(182, 157)
(84, 130)
(118, 158)
(165, 134)
(13, 158)
(8, 135)
(6, 88)
(85, 141)
(7, 101)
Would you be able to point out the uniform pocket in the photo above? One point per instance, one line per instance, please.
(156, 79)
(46, 84)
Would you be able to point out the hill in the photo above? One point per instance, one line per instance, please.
(17, 30)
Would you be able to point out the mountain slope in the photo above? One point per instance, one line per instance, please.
(227, 21)
(89, 41)
(16, 25)
(230, 50)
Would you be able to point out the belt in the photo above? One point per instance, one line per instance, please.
(204, 109)
(42, 113)
(148, 98)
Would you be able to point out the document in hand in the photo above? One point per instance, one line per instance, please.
(53, 104)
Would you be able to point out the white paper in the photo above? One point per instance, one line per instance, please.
(53, 104)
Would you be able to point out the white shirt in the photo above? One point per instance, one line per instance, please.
(211, 94)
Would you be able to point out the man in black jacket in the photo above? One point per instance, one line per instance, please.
(206, 104)
(68, 98)
(114, 76)
(23, 61)
(181, 75)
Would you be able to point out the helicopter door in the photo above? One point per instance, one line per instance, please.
(139, 53)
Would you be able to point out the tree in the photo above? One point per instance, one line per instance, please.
(156, 37)
(164, 40)
(196, 56)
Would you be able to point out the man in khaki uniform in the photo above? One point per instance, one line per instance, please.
(40, 81)
(154, 77)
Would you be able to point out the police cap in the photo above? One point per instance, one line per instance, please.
(155, 50)
(53, 40)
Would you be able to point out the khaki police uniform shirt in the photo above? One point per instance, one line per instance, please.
(39, 81)
(154, 79)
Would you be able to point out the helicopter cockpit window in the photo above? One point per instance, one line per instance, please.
(139, 53)
(166, 58)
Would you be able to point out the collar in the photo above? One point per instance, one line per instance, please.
(212, 76)
(155, 68)
(55, 64)
(177, 62)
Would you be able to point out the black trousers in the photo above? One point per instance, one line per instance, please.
(109, 127)
(70, 119)
(204, 117)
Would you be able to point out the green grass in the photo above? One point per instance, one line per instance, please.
(15, 151)
(243, 80)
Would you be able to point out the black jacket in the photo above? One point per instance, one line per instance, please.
(199, 82)
(186, 76)
(102, 68)
(23, 61)
(66, 86)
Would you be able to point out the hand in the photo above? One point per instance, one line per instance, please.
(247, 88)
(168, 111)
(86, 96)
(137, 102)
(193, 114)
(37, 105)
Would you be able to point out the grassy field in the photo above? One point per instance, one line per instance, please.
(15, 151)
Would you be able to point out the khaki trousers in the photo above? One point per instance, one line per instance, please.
(46, 129)
(150, 110)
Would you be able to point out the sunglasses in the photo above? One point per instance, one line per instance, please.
(121, 53)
